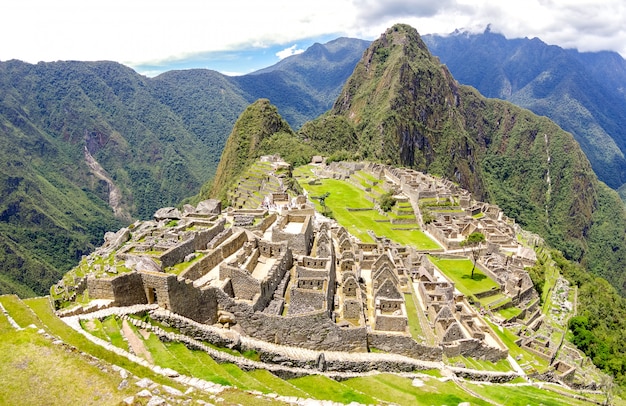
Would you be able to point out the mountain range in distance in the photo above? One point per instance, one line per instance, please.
(583, 92)
(155, 141)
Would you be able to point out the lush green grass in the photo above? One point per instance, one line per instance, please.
(94, 327)
(509, 312)
(276, 384)
(343, 195)
(415, 328)
(5, 326)
(397, 390)
(162, 356)
(43, 310)
(501, 366)
(524, 395)
(323, 388)
(22, 315)
(508, 338)
(33, 371)
(460, 271)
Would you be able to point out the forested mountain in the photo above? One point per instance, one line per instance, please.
(405, 108)
(88, 146)
(585, 93)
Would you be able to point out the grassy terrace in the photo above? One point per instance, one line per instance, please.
(415, 327)
(344, 196)
(57, 376)
(460, 271)
(528, 360)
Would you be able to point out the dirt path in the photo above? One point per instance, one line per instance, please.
(135, 342)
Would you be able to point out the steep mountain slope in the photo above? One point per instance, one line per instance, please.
(81, 140)
(89, 144)
(306, 85)
(406, 109)
(259, 122)
(582, 92)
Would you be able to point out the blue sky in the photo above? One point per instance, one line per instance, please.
(240, 36)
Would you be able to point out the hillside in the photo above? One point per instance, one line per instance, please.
(88, 146)
(306, 85)
(407, 109)
(257, 123)
(583, 92)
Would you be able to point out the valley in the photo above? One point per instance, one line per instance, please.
(397, 291)
(416, 243)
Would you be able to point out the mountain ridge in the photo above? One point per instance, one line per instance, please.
(407, 109)
(580, 91)
(154, 140)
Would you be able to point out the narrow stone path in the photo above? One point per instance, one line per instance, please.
(135, 342)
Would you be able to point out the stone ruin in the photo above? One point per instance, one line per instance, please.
(295, 282)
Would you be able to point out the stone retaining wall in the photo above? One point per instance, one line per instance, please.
(404, 345)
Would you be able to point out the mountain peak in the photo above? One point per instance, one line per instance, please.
(259, 121)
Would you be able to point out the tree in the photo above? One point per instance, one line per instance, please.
(386, 201)
(474, 240)
(322, 200)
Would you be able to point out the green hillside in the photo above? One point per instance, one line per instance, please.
(406, 109)
(581, 91)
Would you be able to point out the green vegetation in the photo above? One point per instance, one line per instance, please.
(258, 122)
(35, 371)
(531, 361)
(600, 323)
(343, 196)
(386, 201)
(325, 388)
(459, 270)
(415, 327)
(473, 241)
(580, 94)
(393, 389)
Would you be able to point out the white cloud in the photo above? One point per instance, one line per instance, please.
(149, 31)
(292, 50)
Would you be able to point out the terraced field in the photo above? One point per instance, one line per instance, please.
(60, 374)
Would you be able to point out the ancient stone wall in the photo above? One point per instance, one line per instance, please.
(314, 262)
(404, 345)
(234, 243)
(388, 322)
(198, 304)
(352, 308)
(474, 348)
(244, 285)
(273, 279)
(302, 272)
(177, 253)
(203, 265)
(273, 250)
(156, 288)
(125, 290)
(300, 243)
(266, 222)
(312, 330)
(307, 300)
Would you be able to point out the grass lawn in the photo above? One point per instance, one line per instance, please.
(501, 366)
(508, 338)
(33, 371)
(509, 312)
(460, 270)
(524, 395)
(415, 328)
(276, 384)
(397, 390)
(323, 388)
(343, 195)
(42, 308)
